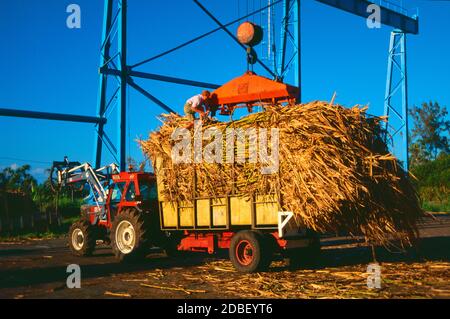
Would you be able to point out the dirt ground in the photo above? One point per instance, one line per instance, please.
(37, 269)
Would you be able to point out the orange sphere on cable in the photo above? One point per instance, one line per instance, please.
(249, 33)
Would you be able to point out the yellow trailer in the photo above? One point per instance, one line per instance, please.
(252, 228)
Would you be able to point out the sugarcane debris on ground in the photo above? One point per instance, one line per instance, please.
(334, 172)
(341, 272)
(342, 282)
(218, 277)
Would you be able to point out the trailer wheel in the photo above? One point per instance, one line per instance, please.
(249, 252)
(82, 238)
(129, 235)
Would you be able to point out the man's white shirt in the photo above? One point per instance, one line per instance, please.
(196, 100)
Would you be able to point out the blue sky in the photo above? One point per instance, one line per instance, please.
(49, 67)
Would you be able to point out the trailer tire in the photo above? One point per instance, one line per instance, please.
(82, 238)
(130, 235)
(249, 252)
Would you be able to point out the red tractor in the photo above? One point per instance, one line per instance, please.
(122, 209)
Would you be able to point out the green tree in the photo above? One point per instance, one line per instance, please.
(429, 134)
(433, 182)
(417, 154)
(17, 179)
(43, 196)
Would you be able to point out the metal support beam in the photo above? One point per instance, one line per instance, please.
(163, 78)
(283, 37)
(395, 106)
(122, 112)
(52, 116)
(297, 44)
(396, 18)
(149, 96)
(101, 102)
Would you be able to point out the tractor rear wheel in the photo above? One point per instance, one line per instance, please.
(82, 238)
(130, 235)
(250, 252)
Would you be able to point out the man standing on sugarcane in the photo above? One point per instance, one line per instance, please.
(195, 105)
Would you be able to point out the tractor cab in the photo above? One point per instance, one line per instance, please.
(129, 189)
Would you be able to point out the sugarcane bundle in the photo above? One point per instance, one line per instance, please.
(333, 169)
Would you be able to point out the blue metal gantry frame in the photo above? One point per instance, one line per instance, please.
(114, 65)
(391, 14)
(290, 34)
(399, 88)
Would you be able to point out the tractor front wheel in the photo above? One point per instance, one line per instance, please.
(129, 235)
(82, 238)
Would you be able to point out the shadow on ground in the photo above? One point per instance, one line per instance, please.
(437, 248)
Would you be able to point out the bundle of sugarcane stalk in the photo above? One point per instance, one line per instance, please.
(334, 170)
